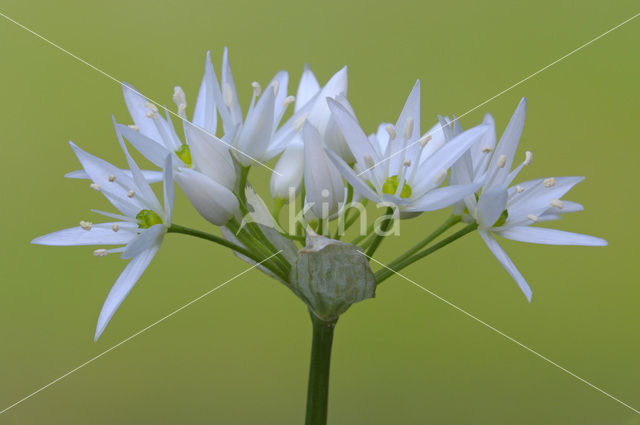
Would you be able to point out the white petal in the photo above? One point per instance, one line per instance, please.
(211, 156)
(322, 181)
(123, 286)
(281, 80)
(410, 111)
(136, 102)
(255, 135)
(307, 88)
(444, 157)
(99, 234)
(359, 185)
(506, 262)
(151, 176)
(229, 86)
(491, 205)
(549, 236)
(290, 169)
(204, 113)
(150, 149)
(213, 201)
(319, 113)
(145, 240)
(507, 146)
(442, 197)
(169, 190)
(356, 138)
(536, 197)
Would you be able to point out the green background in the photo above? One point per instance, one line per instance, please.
(240, 355)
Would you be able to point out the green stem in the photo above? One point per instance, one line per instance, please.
(176, 228)
(450, 222)
(362, 237)
(381, 234)
(318, 389)
(383, 274)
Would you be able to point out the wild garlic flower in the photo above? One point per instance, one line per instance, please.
(140, 228)
(310, 107)
(509, 211)
(403, 169)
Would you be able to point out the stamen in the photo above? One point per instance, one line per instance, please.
(550, 182)
(134, 127)
(227, 94)
(533, 218)
(556, 203)
(519, 189)
(115, 227)
(299, 122)
(528, 157)
(86, 225)
(276, 87)
(257, 88)
(502, 161)
(368, 162)
(95, 186)
(325, 193)
(100, 252)
(440, 177)
(391, 131)
(151, 114)
(288, 101)
(407, 163)
(179, 96)
(131, 194)
(112, 178)
(408, 128)
(426, 137)
(486, 149)
(181, 110)
(151, 106)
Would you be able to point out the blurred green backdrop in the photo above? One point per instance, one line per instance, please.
(240, 356)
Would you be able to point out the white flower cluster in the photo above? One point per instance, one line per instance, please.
(324, 157)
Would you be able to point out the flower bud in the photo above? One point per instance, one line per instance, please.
(213, 201)
(330, 275)
(289, 170)
(322, 180)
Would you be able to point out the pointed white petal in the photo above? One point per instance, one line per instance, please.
(213, 201)
(307, 88)
(507, 146)
(410, 112)
(322, 181)
(491, 205)
(255, 135)
(229, 90)
(145, 240)
(123, 286)
(537, 196)
(442, 197)
(359, 185)
(356, 138)
(549, 236)
(169, 190)
(506, 262)
(204, 113)
(281, 81)
(136, 102)
(99, 234)
(290, 169)
(320, 113)
(150, 149)
(211, 156)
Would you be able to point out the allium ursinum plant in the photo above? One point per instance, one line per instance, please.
(327, 170)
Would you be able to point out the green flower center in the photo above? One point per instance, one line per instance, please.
(148, 218)
(390, 187)
(184, 153)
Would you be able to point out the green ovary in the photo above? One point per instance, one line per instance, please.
(390, 187)
(185, 155)
(148, 218)
(502, 219)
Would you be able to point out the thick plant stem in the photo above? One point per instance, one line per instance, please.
(318, 390)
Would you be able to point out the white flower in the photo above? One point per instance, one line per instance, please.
(140, 228)
(322, 181)
(509, 211)
(404, 168)
(310, 107)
